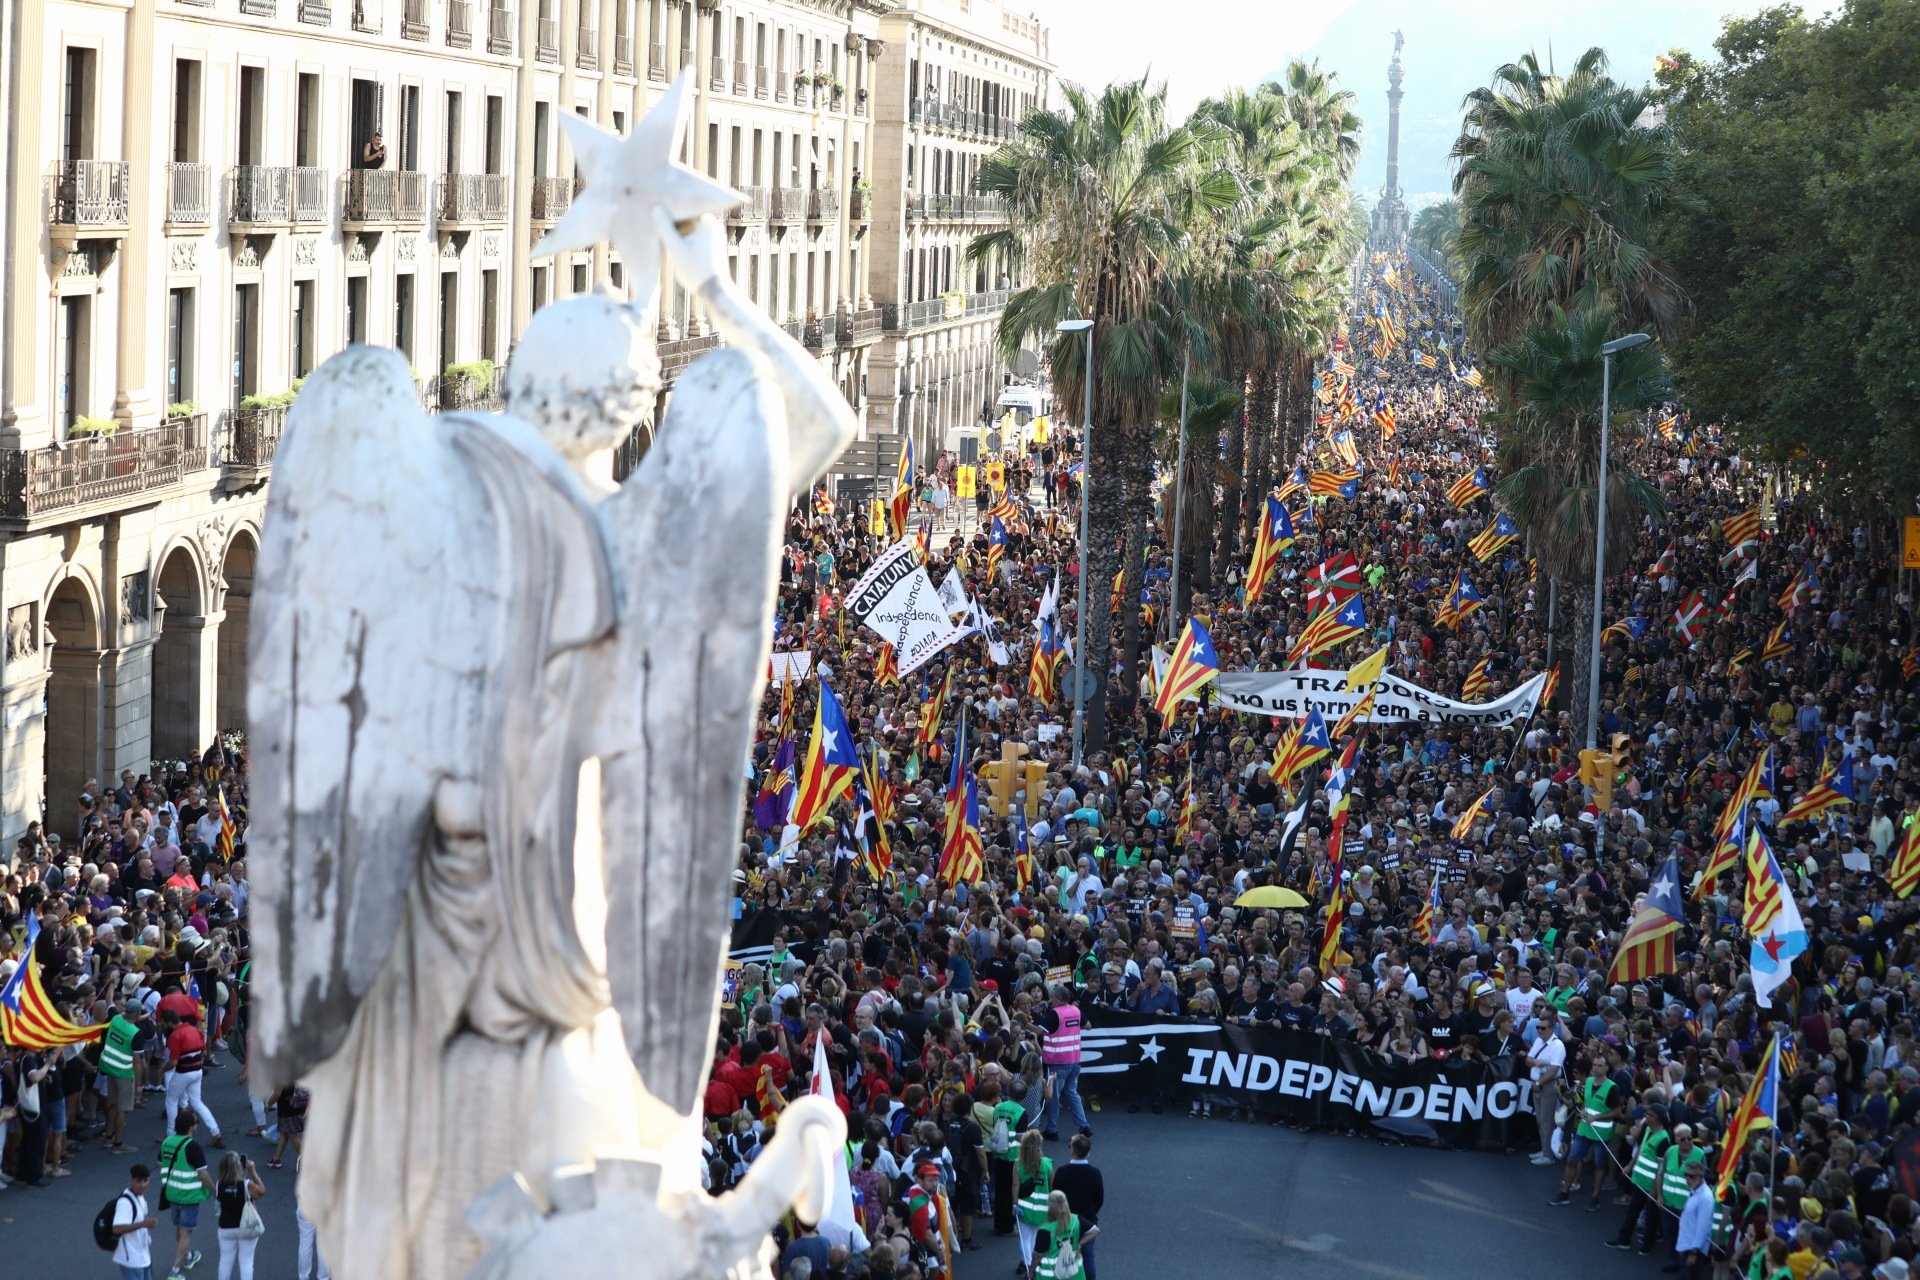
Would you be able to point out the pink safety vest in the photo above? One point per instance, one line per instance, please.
(1062, 1047)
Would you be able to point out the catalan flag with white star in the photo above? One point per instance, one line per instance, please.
(1626, 630)
(931, 710)
(1758, 1111)
(1334, 484)
(996, 545)
(1648, 948)
(1296, 483)
(1742, 529)
(1274, 537)
(1904, 875)
(29, 1018)
(1479, 680)
(1193, 664)
(1461, 602)
(962, 857)
(1431, 910)
(1483, 807)
(1833, 789)
(1304, 743)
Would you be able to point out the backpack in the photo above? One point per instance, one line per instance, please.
(103, 1234)
(1067, 1262)
(1000, 1141)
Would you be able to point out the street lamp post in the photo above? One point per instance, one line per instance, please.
(1086, 478)
(1607, 352)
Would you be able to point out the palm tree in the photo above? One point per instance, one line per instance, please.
(1560, 179)
(1433, 231)
(1549, 454)
(1091, 193)
(1212, 405)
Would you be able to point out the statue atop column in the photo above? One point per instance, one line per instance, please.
(498, 984)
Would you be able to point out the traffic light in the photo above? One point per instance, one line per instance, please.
(1010, 776)
(1596, 774)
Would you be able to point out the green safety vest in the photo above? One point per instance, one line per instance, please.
(1646, 1161)
(1673, 1175)
(1043, 1269)
(1598, 1130)
(1033, 1205)
(180, 1180)
(116, 1051)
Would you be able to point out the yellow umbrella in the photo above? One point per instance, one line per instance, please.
(1269, 895)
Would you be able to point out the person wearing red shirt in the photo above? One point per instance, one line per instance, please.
(186, 1063)
(180, 1005)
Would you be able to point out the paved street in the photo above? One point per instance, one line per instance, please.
(1184, 1198)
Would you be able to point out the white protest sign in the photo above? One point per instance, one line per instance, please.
(1291, 695)
(790, 666)
(896, 600)
(953, 595)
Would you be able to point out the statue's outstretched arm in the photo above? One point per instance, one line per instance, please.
(820, 423)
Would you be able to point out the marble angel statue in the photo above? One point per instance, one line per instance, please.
(497, 712)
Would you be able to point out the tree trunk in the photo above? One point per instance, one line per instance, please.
(1106, 533)
(1139, 507)
(1196, 540)
(1227, 535)
(1259, 449)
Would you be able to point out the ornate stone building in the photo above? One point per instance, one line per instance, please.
(191, 221)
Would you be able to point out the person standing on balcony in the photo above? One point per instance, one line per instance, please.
(374, 154)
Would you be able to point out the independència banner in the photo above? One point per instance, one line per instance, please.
(1290, 695)
(1310, 1077)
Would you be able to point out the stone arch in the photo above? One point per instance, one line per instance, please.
(236, 572)
(183, 655)
(72, 738)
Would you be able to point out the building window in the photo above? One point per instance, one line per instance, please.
(356, 309)
(537, 289)
(251, 118)
(490, 315)
(496, 134)
(452, 159)
(306, 125)
(580, 277)
(76, 342)
(449, 318)
(179, 345)
(186, 111)
(300, 362)
(403, 315)
(76, 115)
(246, 342)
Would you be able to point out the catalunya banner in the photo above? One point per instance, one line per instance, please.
(1308, 1077)
(897, 601)
(1292, 695)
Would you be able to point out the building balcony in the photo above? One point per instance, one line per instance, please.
(717, 73)
(552, 197)
(252, 437)
(586, 48)
(742, 82)
(547, 41)
(762, 80)
(865, 326)
(460, 24)
(803, 93)
(956, 208)
(860, 206)
(822, 333)
(471, 200)
(363, 21)
(189, 196)
(789, 204)
(823, 205)
(758, 200)
(260, 8)
(860, 102)
(260, 197)
(947, 307)
(377, 199)
(684, 58)
(676, 355)
(657, 60)
(413, 20)
(500, 29)
(316, 12)
(99, 470)
(622, 54)
(88, 200)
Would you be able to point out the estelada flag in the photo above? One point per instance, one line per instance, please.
(1193, 664)
(28, 1016)
(831, 763)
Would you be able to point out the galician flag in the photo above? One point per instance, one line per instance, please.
(1783, 938)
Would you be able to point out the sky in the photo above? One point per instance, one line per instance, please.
(1452, 47)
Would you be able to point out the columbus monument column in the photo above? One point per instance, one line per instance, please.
(1390, 214)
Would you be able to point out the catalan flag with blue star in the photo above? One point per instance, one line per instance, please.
(962, 859)
(832, 762)
(1275, 536)
(1335, 626)
(1648, 948)
(1468, 487)
(1493, 537)
(28, 1016)
(1304, 744)
(1833, 789)
(996, 545)
(1463, 825)
(1193, 664)
(1627, 629)
(1460, 602)
(1296, 481)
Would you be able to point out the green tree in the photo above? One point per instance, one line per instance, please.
(1091, 192)
(1800, 150)
(1549, 456)
(1433, 231)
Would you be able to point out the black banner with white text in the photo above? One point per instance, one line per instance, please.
(1314, 1078)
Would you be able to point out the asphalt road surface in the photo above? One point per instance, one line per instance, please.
(1185, 1197)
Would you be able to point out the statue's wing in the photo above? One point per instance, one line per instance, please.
(367, 673)
(695, 539)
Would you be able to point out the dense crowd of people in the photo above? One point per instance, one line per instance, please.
(942, 1001)
(950, 1008)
